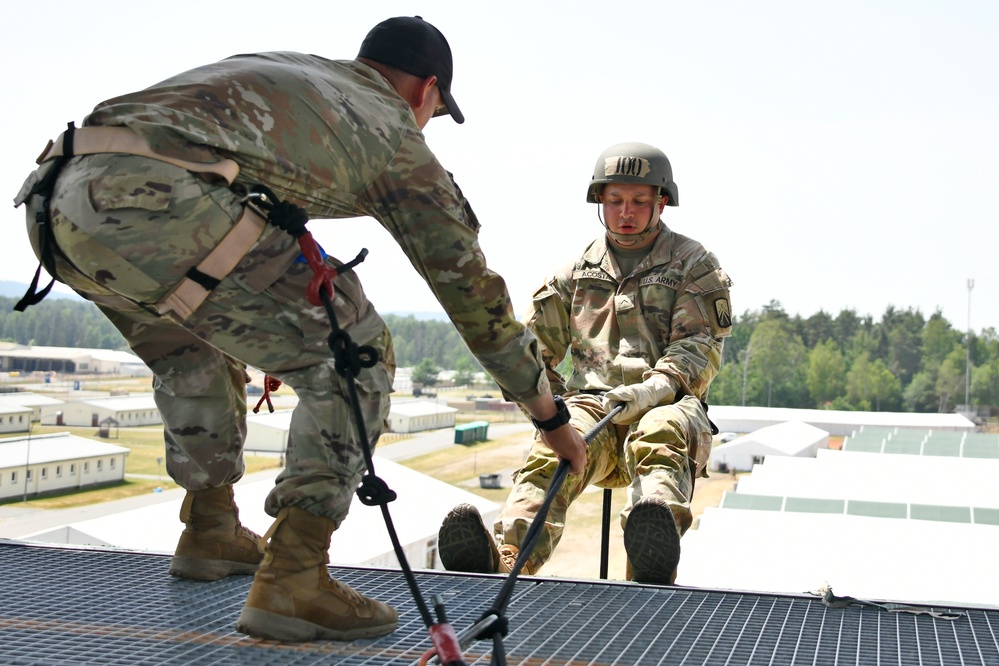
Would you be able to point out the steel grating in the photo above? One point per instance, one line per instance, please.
(85, 606)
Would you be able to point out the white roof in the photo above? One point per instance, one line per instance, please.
(278, 420)
(56, 447)
(787, 438)
(71, 353)
(417, 515)
(122, 402)
(878, 477)
(817, 520)
(420, 408)
(866, 558)
(763, 416)
(123, 357)
(12, 408)
(28, 399)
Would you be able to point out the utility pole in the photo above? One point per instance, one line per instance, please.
(967, 364)
(27, 462)
(745, 370)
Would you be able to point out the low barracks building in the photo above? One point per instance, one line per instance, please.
(32, 401)
(14, 418)
(61, 461)
(124, 411)
(15, 358)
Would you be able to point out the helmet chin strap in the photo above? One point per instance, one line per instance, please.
(628, 240)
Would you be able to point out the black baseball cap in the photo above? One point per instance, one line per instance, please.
(411, 44)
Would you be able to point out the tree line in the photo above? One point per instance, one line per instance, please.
(902, 362)
(59, 322)
(63, 322)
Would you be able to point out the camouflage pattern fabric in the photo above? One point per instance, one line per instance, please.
(199, 385)
(652, 457)
(669, 315)
(333, 137)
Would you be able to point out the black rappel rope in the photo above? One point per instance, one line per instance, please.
(349, 360)
(493, 623)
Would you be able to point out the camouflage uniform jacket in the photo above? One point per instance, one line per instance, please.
(669, 316)
(335, 138)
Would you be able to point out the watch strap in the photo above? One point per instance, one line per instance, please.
(554, 423)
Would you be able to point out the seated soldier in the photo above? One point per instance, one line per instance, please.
(643, 314)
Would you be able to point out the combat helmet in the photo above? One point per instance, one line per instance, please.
(633, 163)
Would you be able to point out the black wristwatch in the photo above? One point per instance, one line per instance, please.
(554, 423)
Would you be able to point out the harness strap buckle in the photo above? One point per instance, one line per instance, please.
(192, 291)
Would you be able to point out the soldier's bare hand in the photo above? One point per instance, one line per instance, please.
(569, 445)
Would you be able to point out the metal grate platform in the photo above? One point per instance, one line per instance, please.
(72, 606)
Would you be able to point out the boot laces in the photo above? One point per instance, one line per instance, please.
(352, 595)
(508, 554)
(248, 533)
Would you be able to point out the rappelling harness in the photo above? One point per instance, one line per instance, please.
(199, 281)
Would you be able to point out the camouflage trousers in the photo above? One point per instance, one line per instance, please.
(131, 227)
(657, 456)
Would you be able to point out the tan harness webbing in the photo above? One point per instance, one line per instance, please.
(189, 293)
(92, 140)
(185, 298)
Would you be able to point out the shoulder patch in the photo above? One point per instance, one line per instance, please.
(724, 312)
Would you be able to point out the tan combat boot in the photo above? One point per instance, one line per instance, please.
(294, 599)
(465, 544)
(214, 544)
(508, 557)
(652, 543)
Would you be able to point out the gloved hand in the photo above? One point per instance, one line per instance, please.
(639, 398)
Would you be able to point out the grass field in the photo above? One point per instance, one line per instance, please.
(146, 453)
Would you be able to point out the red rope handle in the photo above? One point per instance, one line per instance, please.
(270, 385)
(446, 646)
(323, 274)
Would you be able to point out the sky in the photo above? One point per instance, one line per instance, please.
(832, 155)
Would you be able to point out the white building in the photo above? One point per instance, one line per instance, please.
(69, 360)
(14, 418)
(836, 423)
(793, 438)
(127, 410)
(870, 525)
(268, 431)
(60, 461)
(35, 401)
(417, 415)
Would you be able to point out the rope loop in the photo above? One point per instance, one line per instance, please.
(349, 357)
(288, 217)
(500, 625)
(373, 491)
